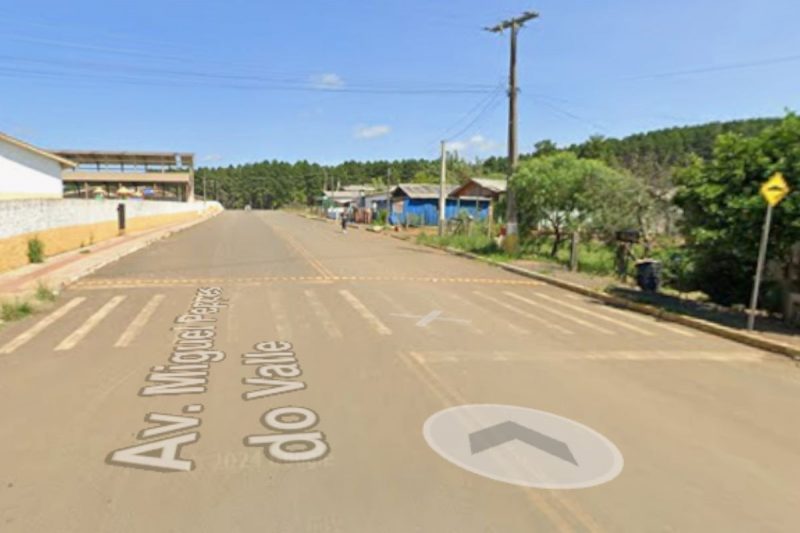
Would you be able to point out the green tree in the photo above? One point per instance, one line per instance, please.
(724, 213)
(565, 193)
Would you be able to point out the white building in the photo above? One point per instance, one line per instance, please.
(29, 172)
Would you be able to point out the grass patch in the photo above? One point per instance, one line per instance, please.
(44, 294)
(15, 310)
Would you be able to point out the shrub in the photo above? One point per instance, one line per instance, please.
(35, 250)
(14, 311)
(44, 294)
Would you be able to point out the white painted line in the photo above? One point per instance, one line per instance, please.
(282, 325)
(596, 315)
(565, 316)
(76, 336)
(649, 320)
(139, 322)
(427, 319)
(365, 313)
(324, 316)
(744, 357)
(524, 313)
(26, 336)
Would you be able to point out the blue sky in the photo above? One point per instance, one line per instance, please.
(237, 81)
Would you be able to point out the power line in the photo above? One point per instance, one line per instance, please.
(717, 68)
(485, 100)
(491, 105)
(170, 79)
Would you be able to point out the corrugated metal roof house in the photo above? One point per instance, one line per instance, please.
(418, 204)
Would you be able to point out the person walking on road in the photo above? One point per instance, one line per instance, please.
(344, 221)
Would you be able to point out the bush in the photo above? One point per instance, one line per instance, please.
(35, 250)
(44, 294)
(15, 311)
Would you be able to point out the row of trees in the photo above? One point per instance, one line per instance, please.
(273, 184)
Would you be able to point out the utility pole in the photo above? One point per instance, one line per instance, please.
(512, 238)
(442, 194)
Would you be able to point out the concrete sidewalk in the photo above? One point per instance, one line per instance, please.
(61, 270)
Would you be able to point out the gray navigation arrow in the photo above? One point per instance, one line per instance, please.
(503, 432)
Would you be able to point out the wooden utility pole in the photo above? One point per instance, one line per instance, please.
(442, 194)
(514, 24)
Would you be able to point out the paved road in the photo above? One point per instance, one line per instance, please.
(337, 350)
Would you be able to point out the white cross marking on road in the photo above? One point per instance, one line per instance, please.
(424, 321)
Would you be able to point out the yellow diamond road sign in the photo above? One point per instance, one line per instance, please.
(775, 189)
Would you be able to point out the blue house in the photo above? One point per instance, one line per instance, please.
(418, 204)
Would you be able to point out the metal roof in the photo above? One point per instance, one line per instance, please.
(103, 157)
(64, 162)
(422, 190)
(495, 187)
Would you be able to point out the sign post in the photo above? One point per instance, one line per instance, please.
(773, 190)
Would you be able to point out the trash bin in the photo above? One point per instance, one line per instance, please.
(648, 275)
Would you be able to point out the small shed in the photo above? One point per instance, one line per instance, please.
(418, 203)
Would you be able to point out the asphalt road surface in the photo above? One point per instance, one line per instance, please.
(264, 372)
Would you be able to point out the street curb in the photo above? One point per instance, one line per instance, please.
(144, 244)
(748, 339)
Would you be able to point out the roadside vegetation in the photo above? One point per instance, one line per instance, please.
(35, 250)
(15, 310)
(20, 308)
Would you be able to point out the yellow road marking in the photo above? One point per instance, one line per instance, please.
(156, 282)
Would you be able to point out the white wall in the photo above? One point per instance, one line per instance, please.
(24, 174)
(27, 216)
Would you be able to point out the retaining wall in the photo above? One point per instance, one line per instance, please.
(64, 225)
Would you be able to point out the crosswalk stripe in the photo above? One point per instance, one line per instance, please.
(633, 315)
(524, 313)
(365, 313)
(76, 336)
(650, 320)
(139, 322)
(324, 316)
(282, 324)
(559, 313)
(37, 328)
(596, 315)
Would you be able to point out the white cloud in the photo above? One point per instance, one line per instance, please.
(327, 80)
(372, 132)
(476, 143)
(210, 158)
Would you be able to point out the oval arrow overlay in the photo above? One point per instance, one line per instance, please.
(523, 446)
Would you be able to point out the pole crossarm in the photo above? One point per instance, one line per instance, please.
(516, 21)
